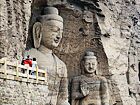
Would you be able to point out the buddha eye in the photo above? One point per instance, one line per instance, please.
(87, 64)
(54, 29)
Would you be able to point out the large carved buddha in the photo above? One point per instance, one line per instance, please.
(47, 34)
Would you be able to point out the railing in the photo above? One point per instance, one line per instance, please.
(14, 71)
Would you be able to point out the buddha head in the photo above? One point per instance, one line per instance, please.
(89, 63)
(48, 30)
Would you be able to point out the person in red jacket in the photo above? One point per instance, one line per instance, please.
(28, 61)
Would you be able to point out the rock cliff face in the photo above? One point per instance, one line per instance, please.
(14, 22)
(22, 93)
(110, 28)
(120, 39)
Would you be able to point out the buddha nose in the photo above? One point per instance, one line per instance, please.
(91, 66)
(57, 37)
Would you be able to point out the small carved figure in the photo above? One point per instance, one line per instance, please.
(47, 34)
(89, 89)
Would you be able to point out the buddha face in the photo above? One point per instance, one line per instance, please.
(51, 35)
(90, 65)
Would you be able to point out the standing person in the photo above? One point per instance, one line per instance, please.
(47, 34)
(22, 62)
(34, 66)
(28, 61)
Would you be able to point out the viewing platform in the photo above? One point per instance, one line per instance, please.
(14, 71)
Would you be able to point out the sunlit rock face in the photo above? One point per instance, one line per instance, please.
(14, 19)
(120, 29)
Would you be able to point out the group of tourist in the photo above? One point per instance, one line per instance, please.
(29, 62)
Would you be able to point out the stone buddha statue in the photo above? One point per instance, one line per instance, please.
(89, 88)
(47, 34)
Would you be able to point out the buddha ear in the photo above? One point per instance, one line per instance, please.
(37, 34)
(82, 66)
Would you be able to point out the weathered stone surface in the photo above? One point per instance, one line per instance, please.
(119, 41)
(14, 19)
(21, 93)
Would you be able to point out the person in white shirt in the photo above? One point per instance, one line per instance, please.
(34, 66)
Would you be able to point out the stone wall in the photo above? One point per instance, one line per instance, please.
(22, 93)
(14, 22)
(120, 34)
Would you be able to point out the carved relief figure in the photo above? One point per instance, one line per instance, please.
(47, 34)
(89, 89)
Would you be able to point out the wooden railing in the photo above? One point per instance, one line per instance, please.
(14, 71)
